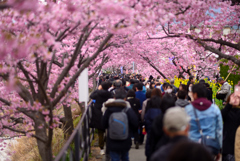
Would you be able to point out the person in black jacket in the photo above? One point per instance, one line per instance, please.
(157, 137)
(119, 149)
(231, 119)
(135, 105)
(100, 96)
(176, 127)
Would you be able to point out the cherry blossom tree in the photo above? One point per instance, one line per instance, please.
(45, 45)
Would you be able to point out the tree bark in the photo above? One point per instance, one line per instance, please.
(45, 151)
(68, 121)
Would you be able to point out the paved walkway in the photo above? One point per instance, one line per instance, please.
(137, 154)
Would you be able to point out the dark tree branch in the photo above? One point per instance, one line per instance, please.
(83, 38)
(85, 65)
(24, 132)
(26, 74)
(6, 102)
(153, 66)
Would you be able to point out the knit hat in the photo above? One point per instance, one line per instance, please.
(175, 119)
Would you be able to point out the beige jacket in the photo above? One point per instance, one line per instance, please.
(237, 145)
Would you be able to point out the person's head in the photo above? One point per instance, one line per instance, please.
(165, 85)
(207, 85)
(220, 80)
(132, 81)
(120, 93)
(189, 151)
(202, 81)
(199, 91)
(183, 87)
(182, 94)
(139, 87)
(118, 83)
(172, 81)
(168, 88)
(167, 102)
(176, 122)
(124, 81)
(148, 93)
(147, 85)
(152, 85)
(105, 85)
(158, 85)
(191, 79)
(131, 93)
(156, 92)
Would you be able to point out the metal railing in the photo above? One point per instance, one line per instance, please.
(78, 146)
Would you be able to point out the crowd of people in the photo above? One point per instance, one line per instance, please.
(176, 123)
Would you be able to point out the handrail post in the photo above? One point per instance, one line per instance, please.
(77, 146)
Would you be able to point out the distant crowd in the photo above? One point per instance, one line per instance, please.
(174, 123)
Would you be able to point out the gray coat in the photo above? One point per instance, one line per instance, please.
(225, 89)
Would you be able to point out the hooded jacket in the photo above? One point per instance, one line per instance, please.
(209, 117)
(181, 103)
(117, 106)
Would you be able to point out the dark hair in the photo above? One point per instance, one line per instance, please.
(189, 151)
(105, 85)
(167, 102)
(132, 81)
(120, 93)
(124, 81)
(154, 102)
(131, 93)
(156, 92)
(191, 78)
(168, 85)
(134, 87)
(148, 93)
(185, 87)
(151, 85)
(207, 85)
(182, 94)
(165, 85)
(202, 81)
(158, 84)
(200, 89)
(139, 86)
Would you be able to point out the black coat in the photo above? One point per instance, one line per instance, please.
(231, 119)
(120, 145)
(135, 105)
(163, 153)
(100, 96)
(157, 137)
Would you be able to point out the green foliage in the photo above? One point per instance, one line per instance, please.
(232, 79)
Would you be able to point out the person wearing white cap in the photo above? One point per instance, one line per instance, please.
(176, 126)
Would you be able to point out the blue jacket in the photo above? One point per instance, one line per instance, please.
(144, 90)
(130, 86)
(210, 121)
(151, 114)
(141, 96)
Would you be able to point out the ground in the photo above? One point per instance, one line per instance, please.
(134, 154)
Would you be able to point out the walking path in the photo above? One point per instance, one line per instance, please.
(137, 154)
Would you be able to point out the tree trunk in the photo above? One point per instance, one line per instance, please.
(68, 121)
(45, 151)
